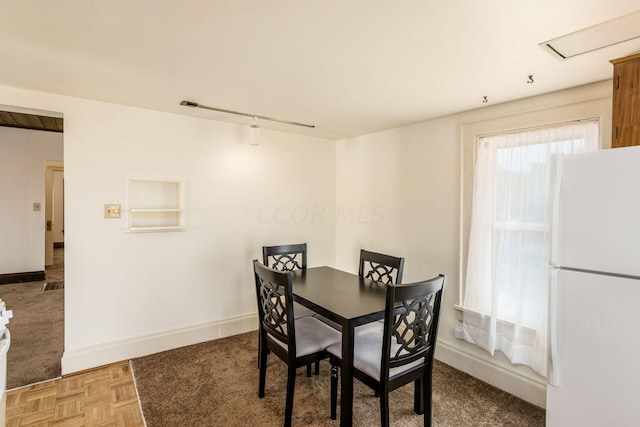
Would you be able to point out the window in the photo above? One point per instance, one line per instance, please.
(505, 297)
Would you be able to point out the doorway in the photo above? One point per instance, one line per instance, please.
(32, 143)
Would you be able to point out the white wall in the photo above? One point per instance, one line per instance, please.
(22, 174)
(132, 294)
(397, 191)
(412, 177)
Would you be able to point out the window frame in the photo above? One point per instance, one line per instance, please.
(597, 109)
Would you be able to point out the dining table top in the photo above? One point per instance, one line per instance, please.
(338, 295)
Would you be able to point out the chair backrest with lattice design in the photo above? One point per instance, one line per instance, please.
(285, 257)
(380, 267)
(275, 302)
(411, 323)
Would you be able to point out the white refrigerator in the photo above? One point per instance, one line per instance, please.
(594, 292)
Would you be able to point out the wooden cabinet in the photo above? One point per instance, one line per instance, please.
(626, 101)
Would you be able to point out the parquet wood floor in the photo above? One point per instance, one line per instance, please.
(100, 397)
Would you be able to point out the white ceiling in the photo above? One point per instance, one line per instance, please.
(350, 67)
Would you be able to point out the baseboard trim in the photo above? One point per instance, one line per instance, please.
(525, 388)
(83, 358)
(29, 276)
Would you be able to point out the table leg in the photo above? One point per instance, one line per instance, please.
(346, 389)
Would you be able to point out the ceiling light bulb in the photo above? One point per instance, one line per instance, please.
(254, 133)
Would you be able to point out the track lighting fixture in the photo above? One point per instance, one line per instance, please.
(254, 133)
(254, 128)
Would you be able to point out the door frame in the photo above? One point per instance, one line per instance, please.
(50, 167)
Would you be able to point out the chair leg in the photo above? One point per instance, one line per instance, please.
(317, 370)
(427, 389)
(334, 390)
(418, 397)
(259, 349)
(262, 362)
(291, 385)
(309, 370)
(384, 408)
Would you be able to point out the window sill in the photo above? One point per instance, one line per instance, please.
(460, 310)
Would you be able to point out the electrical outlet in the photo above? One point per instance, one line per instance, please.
(112, 211)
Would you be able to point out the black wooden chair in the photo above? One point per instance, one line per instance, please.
(285, 257)
(402, 352)
(288, 258)
(298, 342)
(380, 267)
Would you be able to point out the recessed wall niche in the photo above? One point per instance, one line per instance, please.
(155, 204)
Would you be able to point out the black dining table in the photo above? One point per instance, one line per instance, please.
(348, 300)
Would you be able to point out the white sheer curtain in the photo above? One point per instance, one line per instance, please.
(505, 302)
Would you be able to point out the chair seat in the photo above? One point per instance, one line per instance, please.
(367, 353)
(313, 336)
(373, 326)
(329, 322)
(300, 311)
(377, 326)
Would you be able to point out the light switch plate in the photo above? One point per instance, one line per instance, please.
(36, 207)
(112, 211)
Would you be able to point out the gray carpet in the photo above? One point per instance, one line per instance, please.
(37, 331)
(216, 384)
(37, 327)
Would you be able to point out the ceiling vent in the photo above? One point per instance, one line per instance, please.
(605, 34)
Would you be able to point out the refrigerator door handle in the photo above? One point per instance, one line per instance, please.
(553, 374)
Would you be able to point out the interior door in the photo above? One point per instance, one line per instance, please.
(53, 170)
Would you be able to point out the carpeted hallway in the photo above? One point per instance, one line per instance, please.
(37, 327)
